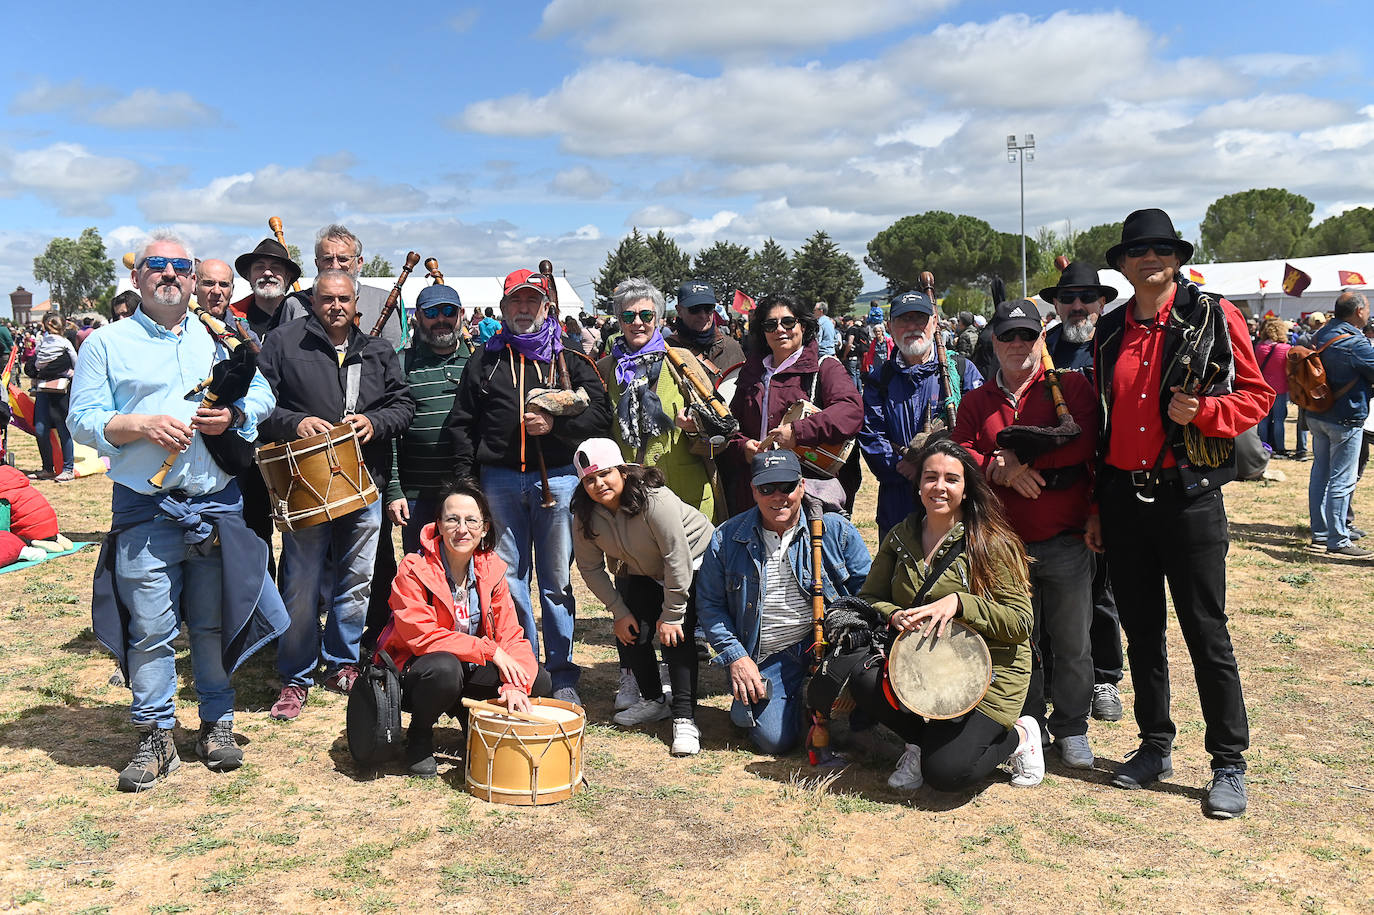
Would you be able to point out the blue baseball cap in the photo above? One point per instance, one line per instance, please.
(776, 466)
(909, 302)
(695, 292)
(437, 294)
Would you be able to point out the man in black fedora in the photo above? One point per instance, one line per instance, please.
(270, 271)
(1178, 380)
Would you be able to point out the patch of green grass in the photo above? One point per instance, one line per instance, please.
(491, 873)
(1363, 681)
(198, 847)
(359, 864)
(1144, 873)
(237, 787)
(94, 910)
(1297, 579)
(856, 803)
(1283, 638)
(1323, 853)
(224, 879)
(90, 835)
(24, 897)
(949, 878)
(168, 908)
(281, 839)
(1112, 819)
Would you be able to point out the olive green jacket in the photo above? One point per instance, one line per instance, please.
(1003, 620)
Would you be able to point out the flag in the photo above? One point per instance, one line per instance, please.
(1263, 283)
(742, 304)
(1294, 280)
(1350, 278)
(1269, 314)
(1196, 277)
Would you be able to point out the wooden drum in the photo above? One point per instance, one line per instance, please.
(940, 677)
(524, 762)
(824, 458)
(316, 479)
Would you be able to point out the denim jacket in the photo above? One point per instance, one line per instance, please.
(1349, 362)
(729, 585)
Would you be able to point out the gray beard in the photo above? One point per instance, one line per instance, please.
(916, 353)
(1079, 333)
(269, 292)
(443, 341)
(167, 295)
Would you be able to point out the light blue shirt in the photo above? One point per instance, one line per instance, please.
(826, 335)
(139, 366)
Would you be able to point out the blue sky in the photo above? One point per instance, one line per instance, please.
(492, 136)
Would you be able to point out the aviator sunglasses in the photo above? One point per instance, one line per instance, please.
(157, 263)
(771, 324)
(645, 317)
(1160, 248)
(448, 310)
(767, 489)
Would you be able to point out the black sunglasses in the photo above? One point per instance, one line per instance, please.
(767, 489)
(1068, 298)
(645, 317)
(700, 307)
(1160, 248)
(448, 310)
(771, 324)
(1024, 334)
(157, 264)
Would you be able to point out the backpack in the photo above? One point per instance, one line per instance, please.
(373, 720)
(1307, 381)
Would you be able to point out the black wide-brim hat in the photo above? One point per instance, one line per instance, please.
(268, 247)
(1148, 225)
(1078, 275)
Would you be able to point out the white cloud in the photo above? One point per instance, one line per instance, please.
(68, 175)
(656, 214)
(580, 181)
(103, 106)
(44, 97)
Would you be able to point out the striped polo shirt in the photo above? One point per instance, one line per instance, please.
(423, 457)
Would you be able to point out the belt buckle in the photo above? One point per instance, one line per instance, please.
(1140, 478)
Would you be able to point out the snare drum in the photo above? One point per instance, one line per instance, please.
(940, 677)
(526, 763)
(316, 479)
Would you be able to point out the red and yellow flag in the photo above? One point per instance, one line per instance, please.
(742, 303)
(1294, 280)
(1350, 278)
(1196, 277)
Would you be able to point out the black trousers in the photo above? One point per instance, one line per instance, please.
(644, 597)
(1105, 632)
(1183, 542)
(383, 573)
(435, 684)
(955, 754)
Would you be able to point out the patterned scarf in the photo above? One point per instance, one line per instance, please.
(639, 411)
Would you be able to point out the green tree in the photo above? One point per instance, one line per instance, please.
(825, 273)
(669, 265)
(727, 267)
(630, 258)
(1258, 224)
(959, 250)
(75, 269)
(772, 270)
(294, 252)
(1091, 244)
(966, 298)
(378, 266)
(1347, 233)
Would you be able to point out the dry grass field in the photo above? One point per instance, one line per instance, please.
(299, 829)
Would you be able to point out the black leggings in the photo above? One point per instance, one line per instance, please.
(434, 684)
(644, 597)
(955, 754)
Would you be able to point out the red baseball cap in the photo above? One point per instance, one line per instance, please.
(525, 279)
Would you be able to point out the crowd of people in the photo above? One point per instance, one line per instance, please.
(1045, 509)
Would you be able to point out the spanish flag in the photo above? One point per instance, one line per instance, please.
(1196, 277)
(1350, 278)
(1294, 280)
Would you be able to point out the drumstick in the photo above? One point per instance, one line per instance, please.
(495, 709)
(274, 223)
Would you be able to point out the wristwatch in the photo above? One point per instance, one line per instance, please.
(236, 417)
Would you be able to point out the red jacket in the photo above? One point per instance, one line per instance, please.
(422, 612)
(985, 411)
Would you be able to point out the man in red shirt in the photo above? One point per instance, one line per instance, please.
(1045, 486)
(1178, 378)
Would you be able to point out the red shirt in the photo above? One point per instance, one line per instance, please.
(1137, 426)
(987, 410)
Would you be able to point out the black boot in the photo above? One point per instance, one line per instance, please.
(420, 752)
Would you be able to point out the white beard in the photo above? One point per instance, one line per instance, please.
(1079, 333)
(167, 295)
(916, 353)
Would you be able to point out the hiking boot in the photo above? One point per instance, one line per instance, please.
(1028, 762)
(907, 776)
(686, 737)
(1142, 767)
(216, 746)
(1226, 794)
(1350, 551)
(342, 680)
(628, 693)
(568, 694)
(289, 703)
(642, 712)
(1106, 702)
(155, 759)
(420, 753)
(1075, 751)
(1356, 533)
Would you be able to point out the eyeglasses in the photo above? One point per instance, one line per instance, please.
(1068, 298)
(448, 310)
(700, 307)
(336, 258)
(767, 489)
(1024, 334)
(157, 264)
(770, 325)
(1161, 248)
(472, 524)
(645, 317)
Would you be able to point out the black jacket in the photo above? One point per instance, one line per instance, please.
(484, 424)
(303, 369)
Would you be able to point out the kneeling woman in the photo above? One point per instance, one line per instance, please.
(985, 586)
(625, 513)
(454, 631)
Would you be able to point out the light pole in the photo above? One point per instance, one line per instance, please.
(1021, 153)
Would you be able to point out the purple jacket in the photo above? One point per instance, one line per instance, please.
(842, 409)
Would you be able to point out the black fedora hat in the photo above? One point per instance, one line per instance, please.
(1145, 226)
(268, 247)
(1078, 275)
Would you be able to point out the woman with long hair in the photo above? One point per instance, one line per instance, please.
(626, 514)
(55, 361)
(984, 585)
(1271, 352)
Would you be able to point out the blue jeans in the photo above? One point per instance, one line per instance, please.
(422, 512)
(1335, 453)
(530, 536)
(1061, 578)
(1271, 427)
(162, 582)
(779, 721)
(49, 415)
(306, 554)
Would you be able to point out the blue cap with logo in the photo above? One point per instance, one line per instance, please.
(909, 302)
(776, 466)
(695, 292)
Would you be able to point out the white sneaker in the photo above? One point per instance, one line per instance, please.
(907, 776)
(686, 737)
(628, 694)
(1028, 762)
(643, 711)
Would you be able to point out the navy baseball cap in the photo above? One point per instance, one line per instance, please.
(775, 466)
(438, 294)
(909, 302)
(695, 292)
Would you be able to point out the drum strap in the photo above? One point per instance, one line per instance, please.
(352, 379)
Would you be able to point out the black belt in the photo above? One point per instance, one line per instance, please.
(1141, 478)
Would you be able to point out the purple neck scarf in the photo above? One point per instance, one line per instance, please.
(542, 345)
(628, 363)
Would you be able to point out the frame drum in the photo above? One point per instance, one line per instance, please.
(940, 677)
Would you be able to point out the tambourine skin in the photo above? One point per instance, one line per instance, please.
(940, 677)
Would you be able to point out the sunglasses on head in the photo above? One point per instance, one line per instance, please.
(771, 324)
(1024, 334)
(1160, 248)
(158, 263)
(645, 317)
(1068, 298)
(700, 307)
(448, 310)
(767, 489)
